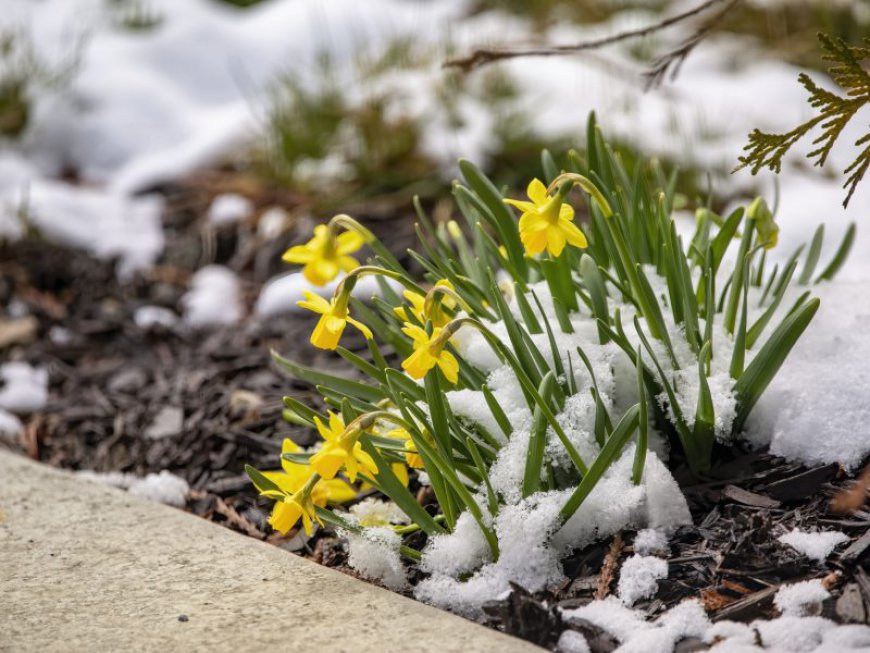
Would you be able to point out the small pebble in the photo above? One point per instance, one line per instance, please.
(183, 618)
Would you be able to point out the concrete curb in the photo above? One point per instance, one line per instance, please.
(89, 568)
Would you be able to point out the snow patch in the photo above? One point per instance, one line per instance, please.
(639, 577)
(24, 388)
(801, 599)
(816, 546)
(164, 487)
(213, 298)
(374, 553)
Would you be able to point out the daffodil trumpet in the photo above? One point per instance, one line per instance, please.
(547, 222)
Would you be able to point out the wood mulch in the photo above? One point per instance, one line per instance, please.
(204, 403)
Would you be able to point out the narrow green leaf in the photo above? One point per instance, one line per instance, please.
(760, 372)
(812, 256)
(840, 257)
(611, 450)
(335, 383)
(537, 440)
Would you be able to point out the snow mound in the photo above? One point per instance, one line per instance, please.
(374, 553)
(531, 544)
(229, 208)
(817, 546)
(24, 388)
(213, 298)
(823, 420)
(10, 426)
(639, 577)
(801, 599)
(164, 487)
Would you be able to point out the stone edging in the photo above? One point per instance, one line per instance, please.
(85, 567)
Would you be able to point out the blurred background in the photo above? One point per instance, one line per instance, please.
(158, 156)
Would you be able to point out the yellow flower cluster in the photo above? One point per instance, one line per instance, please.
(546, 223)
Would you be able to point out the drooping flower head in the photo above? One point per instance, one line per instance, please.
(341, 449)
(417, 305)
(293, 504)
(546, 222)
(428, 352)
(412, 457)
(334, 318)
(326, 254)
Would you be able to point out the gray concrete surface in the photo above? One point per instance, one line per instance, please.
(88, 568)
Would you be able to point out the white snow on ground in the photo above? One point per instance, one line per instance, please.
(229, 209)
(23, 388)
(639, 578)
(792, 632)
(213, 298)
(375, 554)
(280, 295)
(148, 317)
(164, 487)
(801, 599)
(531, 544)
(10, 426)
(816, 546)
(816, 409)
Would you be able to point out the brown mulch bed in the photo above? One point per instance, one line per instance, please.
(202, 404)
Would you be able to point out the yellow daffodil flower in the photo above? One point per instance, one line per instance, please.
(412, 458)
(339, 450)
(326, 254)
(292, 479)
(546, 222)
(417, 305)
(334, 318)
(428, 352)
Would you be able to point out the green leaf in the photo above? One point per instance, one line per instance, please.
(386, 482)
(501, 214)
(611, 450)
(497, 412)
(760, 372)
(643, 424)
(335, 383)
(758, 327)
(812, 256)
(594, 283)
(840, 257)
(537, 440)
(261, 482)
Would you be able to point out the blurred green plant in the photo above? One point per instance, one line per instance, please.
(134, 15)
(22, 73)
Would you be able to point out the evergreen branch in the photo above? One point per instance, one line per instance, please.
(766, 150)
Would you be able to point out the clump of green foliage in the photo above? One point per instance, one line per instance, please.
(22, 71)
(834, 112)
(134, 15)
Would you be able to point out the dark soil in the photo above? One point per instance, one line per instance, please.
(217, 397)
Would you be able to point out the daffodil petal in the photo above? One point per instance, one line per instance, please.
(298, 254)
(449, 366)
(348, 242)
(573, 234)
(536, 191)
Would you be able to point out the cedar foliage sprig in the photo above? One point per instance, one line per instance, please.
(835, 111)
